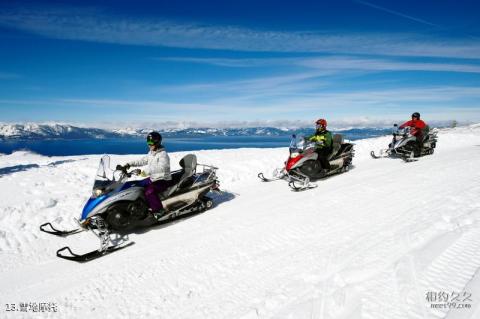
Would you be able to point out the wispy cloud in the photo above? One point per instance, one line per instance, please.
(334, 63)
(265, 86)
(93, 25)
(9, 76)
(396, 13)
(438, 103)
(376, 64)
(231, 62)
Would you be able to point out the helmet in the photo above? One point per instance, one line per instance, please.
(154, 138)
(322, 123)
(416, 115)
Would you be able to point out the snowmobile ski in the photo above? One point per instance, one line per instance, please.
(302, 187)
(264, 179)
(372, 153)
(278, 173)
(90, 255)
(61, 233)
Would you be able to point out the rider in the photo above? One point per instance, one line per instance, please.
(417, 127)
(323, 140)
(158, 170)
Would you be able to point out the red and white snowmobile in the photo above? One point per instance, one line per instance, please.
(302, 166)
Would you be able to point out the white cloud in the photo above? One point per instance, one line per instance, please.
(91, 25)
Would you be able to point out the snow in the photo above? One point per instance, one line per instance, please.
(370, 243)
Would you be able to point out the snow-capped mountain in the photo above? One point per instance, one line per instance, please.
(64, 131)
(206, 131)
(47, 131)
(59, 131)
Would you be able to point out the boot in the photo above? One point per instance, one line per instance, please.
(418, 150)
(158, 214)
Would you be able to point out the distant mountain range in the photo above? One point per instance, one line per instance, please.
(62, 131)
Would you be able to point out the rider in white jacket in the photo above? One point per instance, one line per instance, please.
(157, 169)
(157, 162)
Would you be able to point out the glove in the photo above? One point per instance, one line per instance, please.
(139, 172)
(122, 168)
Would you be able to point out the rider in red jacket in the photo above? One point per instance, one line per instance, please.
(417, 127)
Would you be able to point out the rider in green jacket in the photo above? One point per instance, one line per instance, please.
(323, 139)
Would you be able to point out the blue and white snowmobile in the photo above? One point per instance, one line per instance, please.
(118, 204)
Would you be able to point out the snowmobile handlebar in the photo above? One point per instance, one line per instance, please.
(124, 173)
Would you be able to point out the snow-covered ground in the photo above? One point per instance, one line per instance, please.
(372, 243)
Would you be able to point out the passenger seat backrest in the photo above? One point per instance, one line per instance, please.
(425, 132)
(338, 138)
(189, 165)
(336, 145)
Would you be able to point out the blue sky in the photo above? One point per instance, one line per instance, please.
(354, 62)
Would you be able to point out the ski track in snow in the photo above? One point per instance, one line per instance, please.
(370, 243)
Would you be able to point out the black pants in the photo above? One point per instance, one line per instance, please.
(323, 154)
(419, 146)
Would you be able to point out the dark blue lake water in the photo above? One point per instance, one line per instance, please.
(62, 147)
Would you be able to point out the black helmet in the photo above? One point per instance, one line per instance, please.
(416, 115)
(154, 138)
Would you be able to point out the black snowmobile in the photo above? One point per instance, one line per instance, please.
(303, 166)
(404, 145)
(118, 204)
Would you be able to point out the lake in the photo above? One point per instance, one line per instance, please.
(64, 147)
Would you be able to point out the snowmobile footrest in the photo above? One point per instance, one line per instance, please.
(57, 232)
(90, 255)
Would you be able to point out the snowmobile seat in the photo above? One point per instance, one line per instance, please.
(337, 141)
(184, 177)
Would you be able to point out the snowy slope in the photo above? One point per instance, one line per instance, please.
(367, 244)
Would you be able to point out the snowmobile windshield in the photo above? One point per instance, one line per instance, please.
(105, 175)
(297, 142)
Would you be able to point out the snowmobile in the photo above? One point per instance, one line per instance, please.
(303, 166)
(404, 144)
(118, 204)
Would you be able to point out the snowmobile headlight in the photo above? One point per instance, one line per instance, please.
(97, 192)
(293, 155)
